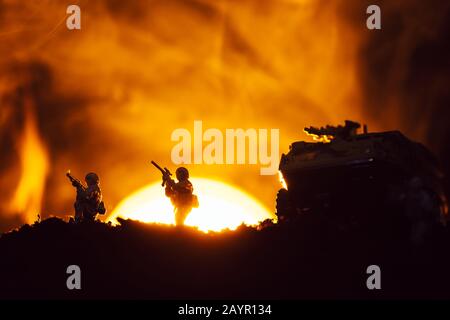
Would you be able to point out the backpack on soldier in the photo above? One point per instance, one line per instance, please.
(101, 208)
(195, 203)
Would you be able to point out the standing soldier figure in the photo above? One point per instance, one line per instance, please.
(180, 193)
(89, 199)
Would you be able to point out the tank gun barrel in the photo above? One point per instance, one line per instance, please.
(349, 129)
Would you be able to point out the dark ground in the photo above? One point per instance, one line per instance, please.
(306, 258)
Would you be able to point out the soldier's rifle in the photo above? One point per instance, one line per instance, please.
(165, 173)
(75, 182)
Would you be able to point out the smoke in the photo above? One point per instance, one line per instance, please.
(405, 72)
(107, 97)
(403, 68)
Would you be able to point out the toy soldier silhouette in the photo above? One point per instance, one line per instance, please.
(89, 199)
(180, 193)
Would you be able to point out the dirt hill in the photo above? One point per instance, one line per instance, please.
(305, 258)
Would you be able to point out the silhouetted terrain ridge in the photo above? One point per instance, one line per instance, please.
(307, 258)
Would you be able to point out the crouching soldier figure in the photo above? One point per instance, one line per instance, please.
(89, 198)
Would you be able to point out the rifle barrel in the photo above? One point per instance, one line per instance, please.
(157, 166)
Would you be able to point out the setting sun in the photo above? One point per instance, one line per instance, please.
(222, 206)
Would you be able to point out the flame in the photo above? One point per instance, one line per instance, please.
(282, 181)
(137, 70)
(320, 138)
(27, 198)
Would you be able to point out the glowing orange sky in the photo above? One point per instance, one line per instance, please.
(140, 71)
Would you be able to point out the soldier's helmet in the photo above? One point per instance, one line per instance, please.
(92, 179)
(182, 173)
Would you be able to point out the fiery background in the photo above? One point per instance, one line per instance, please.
(107, 97)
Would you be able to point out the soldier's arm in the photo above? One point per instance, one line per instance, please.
(75, 182)
(169, 191)
(93, 194)
(170, 182)
(184, 187)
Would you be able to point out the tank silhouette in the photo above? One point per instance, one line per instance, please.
(346, 172)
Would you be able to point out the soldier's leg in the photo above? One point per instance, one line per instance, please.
(178, 220)
(89, 212)
(184, 212)
(78, 211)
(88, 215)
